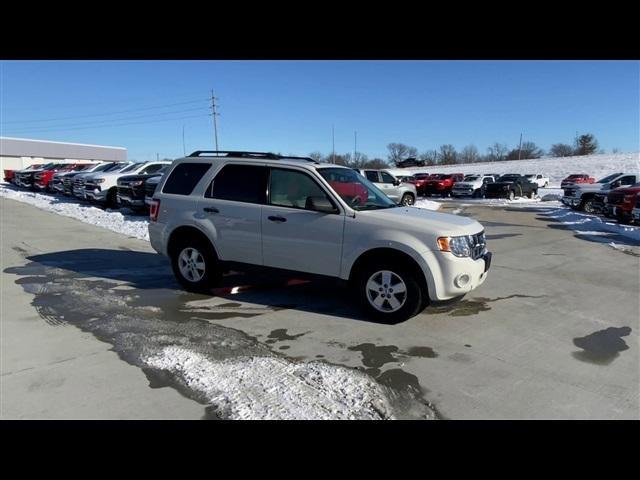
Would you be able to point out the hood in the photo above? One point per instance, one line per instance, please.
(499, 184)
(626, 190)
(414, 218)
(130, 178)
(590, 187)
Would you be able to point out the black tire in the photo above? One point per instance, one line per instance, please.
(415, 301)
(112, 199)
(407, 200)
(587, 206)
(212, 272)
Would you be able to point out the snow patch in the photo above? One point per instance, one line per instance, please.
(269, 388)
(123, 222)
(587, 224)
(427, 205)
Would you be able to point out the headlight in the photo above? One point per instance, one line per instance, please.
(459, 246)
(629, 198)
(99, 180)
(137, 183)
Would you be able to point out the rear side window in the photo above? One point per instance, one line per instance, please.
(372, 176)
(240, 183)
(185, 177)
(151, 169)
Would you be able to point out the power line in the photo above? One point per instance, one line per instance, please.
(106, 113)
(109, 121)
(118, 125)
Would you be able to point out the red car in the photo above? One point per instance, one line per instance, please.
(42, 180)
(620, 202)
(577, 178)
(442, 183)
(9, 175)
(355, 193)
(420, 181)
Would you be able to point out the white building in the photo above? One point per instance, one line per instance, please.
(18, 153)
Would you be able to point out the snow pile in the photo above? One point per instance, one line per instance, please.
(427, 204)
(586, 224)
(131, 225)
(269, 388)
(557, 169)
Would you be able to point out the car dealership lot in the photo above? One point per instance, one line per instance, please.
(552, 333)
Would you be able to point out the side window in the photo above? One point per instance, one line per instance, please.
(151, 169)
(290, 188)
(488, 180)
(372, 176)
(539, 176)
(628, 180)
(184, 178)
(239, 183)
(386, 178)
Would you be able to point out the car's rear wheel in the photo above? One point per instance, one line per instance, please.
(407, 200)
(389, 292)
(195, 265)
(587, 206)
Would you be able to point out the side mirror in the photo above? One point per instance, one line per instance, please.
(320, 204)
(396, 182)
(616, 184)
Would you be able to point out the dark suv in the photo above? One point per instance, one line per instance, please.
(410, 162)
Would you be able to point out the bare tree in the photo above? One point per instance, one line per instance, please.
(448, 154)
(469, 154)
(400, 151)
(561, 150)
(430, 157)
(375, 163)
(528, 150)
(317, 156)
(497, 152)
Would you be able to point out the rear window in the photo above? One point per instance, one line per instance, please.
(240, 183)
(185, 177)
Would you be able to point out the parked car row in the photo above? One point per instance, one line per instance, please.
(109, 184)
(614, 196)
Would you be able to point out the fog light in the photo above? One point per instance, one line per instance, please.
(462, 280)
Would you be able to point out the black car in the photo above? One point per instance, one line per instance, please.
(511, 186)
(410, 162)
(131, 189)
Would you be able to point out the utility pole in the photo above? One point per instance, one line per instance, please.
(215, 114)
(520, 147)
(184, 150)
(355, 144)
(333, 143)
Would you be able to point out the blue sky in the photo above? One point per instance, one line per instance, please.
(290, 106)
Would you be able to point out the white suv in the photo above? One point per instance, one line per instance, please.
(218, 210)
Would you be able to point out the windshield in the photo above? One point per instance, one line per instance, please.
(358, 192)
(609, 178)
(133, 166)
(471, 178)
(420, 176)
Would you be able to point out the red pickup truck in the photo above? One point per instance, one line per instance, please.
(441, 183)
(577, 178)
(621, 201)
(10, 174)
(42, 180)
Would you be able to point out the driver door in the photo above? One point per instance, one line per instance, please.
(388, 186)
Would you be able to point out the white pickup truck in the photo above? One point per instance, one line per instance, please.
(471, 186)
(538, 178)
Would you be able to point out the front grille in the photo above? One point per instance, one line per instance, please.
(478, 245)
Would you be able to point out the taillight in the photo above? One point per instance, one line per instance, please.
(154, 209)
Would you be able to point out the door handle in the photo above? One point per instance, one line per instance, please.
(211, 209)
(277, 219)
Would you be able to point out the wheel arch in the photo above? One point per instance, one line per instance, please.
(393, 255)
(187, 231)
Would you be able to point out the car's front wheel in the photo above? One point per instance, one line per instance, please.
(407, 200)
(195, 265)
(389, 292)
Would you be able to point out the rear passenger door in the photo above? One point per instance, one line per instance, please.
(231, 212)
(387, 186)
(294, 236)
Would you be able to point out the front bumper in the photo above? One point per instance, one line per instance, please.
(95, 194)
(127, 201)
(570, 201)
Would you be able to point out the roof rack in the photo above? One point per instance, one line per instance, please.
(266, 155)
